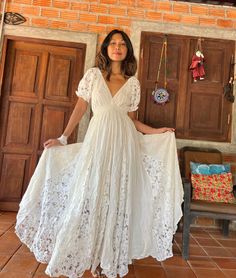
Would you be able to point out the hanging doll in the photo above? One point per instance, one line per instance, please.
(197, 67)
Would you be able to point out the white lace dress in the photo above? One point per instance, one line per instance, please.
(115, 197)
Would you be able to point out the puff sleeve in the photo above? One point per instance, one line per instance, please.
(135, 95)
(85, 86)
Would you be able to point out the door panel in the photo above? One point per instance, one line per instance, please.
(38, 95)
(208, 110)
(151, 45)
(197, 110)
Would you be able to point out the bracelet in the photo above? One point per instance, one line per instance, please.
(62, 139)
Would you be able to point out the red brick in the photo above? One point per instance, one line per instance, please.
(88, 18)
(69, 15)
(164, 6)
(61, 4)
(207, 21)
(40, 22)
(75, 26)
(231, 14)
(23, 2)
(46, 3)
(58, 24)
(188, 19)
(108, 1)
(181, 8)
(123, 21)
(106, 19)
(146, 4)
(200, 9)
(136, 13)
(49, 12)
(216, 12)
(30, 10)
(171, 17)
(97, 28)
(225, 23)
(130, 3)
(13, 8)
(79, 6)
(154, 15)
(118, 11)
(98, 8)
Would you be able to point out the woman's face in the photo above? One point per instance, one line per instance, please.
(117, 49)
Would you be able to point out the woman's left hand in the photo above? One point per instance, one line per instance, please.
(164, 129)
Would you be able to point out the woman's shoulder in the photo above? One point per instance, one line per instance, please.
(134, 81)
(92, 71)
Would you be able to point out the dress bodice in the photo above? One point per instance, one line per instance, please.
(93, 88)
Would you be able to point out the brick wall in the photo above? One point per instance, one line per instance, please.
(103, 15)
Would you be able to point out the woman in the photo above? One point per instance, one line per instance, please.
(101, 203)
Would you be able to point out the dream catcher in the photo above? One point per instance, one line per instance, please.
(160, 95)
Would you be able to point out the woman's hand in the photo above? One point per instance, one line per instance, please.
(164, 129)
(52, 143)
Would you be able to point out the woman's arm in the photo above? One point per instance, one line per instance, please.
(146, 129)
(77, 114)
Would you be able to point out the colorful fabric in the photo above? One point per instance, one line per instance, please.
(209, 169)
(215, 188)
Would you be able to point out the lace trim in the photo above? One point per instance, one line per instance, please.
(135, 95)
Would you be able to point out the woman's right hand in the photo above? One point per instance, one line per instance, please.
(52, 143)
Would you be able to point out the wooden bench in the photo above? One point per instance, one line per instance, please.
(195, 208)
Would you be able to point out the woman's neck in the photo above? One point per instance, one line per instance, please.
(116, 68)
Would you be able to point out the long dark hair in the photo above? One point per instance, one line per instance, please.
(128, 65)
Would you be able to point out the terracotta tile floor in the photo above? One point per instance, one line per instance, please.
(211, 255)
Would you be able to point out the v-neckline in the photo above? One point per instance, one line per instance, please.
(108, 90)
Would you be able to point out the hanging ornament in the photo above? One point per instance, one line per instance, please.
(197, 65)
(161, 95)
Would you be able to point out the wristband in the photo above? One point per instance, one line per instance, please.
(62, 139)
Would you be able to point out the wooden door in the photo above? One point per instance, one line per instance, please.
(208, 113)
(198, 110)
(151, 45)
(39, 79)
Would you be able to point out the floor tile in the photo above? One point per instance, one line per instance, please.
(26, 264)
(12, 274)
(41, 268)
(230, 273)
(202, 262)
(208, 273)
(177, 261)
(196, 251)
(207, 241)
(177, 272)
(149, 271)
(232, 251)
(8, 216)
(176, 249)
(4, 226)
(226, 263)
(217, 251)
(9, 243)
(227, 243)
(198, 232)
(147, 261)
(3, 260)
